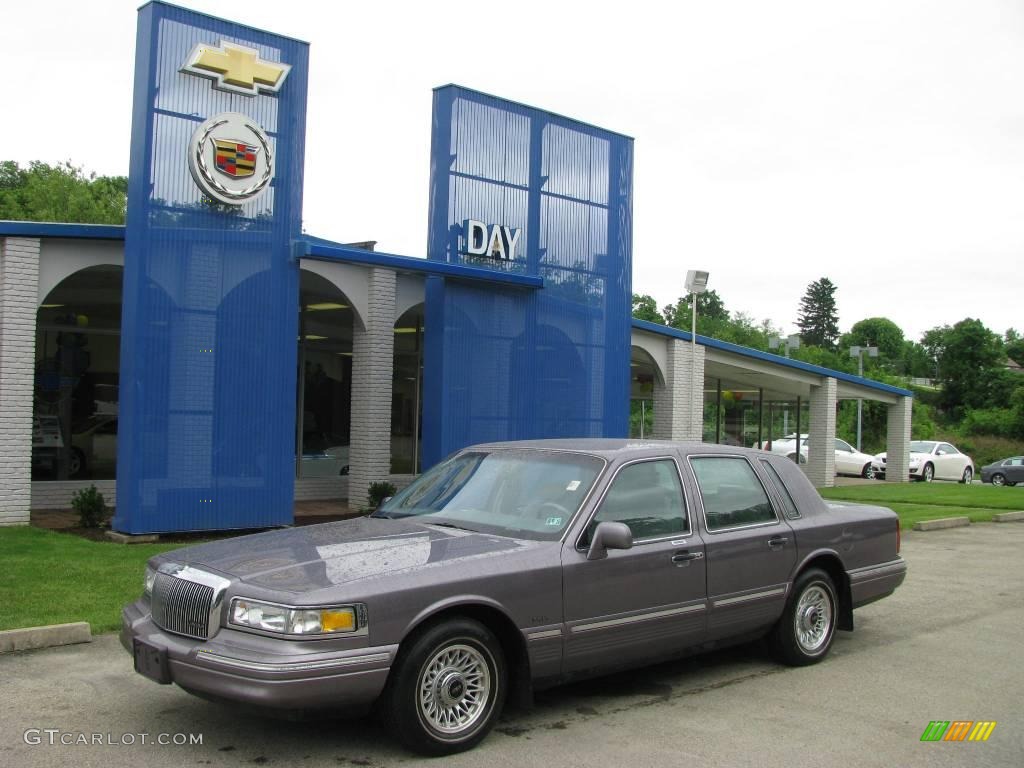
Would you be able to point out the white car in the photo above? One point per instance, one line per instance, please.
(849, 461)
(933, 460)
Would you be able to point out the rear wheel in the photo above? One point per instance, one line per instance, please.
(447, 688)
(804, 634)
(998, 479)
(968, 476)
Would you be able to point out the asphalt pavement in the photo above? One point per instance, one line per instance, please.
(946, 646)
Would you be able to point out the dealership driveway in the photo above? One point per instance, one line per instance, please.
(947, 646)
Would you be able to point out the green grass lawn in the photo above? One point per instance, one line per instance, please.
(55, 578)
(927, 501)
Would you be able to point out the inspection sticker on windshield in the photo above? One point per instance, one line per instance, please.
(554, 521)
(573, 485)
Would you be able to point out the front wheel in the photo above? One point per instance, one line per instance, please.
(968, 476)
(804, 634)
(868, 473)
(447, 688)
(928, 474)
(998, 479)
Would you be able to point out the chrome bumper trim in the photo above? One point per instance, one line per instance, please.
(292, 666)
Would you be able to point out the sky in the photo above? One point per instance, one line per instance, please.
(879, 144)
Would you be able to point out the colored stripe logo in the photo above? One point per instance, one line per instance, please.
(958, 730)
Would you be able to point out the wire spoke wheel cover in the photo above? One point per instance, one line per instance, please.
(454, 689)
(813, 618)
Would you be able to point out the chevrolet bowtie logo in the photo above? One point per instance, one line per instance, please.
(236, 68)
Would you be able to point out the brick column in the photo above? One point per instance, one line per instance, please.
(372, 366)
(678, 412)
(19, 283)
(821, 454)
(897, 462)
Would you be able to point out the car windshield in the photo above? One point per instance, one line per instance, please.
(921, 446)
(530, 494)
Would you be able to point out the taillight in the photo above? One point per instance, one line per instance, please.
(897, 536)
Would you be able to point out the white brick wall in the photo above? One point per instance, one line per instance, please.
(56, 494)
(19, 277)
(372, 364)
(678, 411)
(821, 455)
(897, 469)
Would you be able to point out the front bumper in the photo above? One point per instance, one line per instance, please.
(262, 671)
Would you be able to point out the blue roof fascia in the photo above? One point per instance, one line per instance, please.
(315, 248)
(757, 354)
(49, 229)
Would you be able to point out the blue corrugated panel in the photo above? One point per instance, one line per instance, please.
(208, 343)
(504, 364)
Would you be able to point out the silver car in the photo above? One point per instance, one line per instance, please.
(512, 567)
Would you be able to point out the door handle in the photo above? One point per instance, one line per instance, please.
(684, 557)
(777, 542)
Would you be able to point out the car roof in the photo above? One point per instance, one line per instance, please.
(613, 448)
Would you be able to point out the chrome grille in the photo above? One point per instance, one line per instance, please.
(182, 606)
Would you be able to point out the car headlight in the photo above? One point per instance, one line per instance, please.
(147, 581)
(286, 620)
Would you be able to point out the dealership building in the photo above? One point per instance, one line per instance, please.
(209, 364)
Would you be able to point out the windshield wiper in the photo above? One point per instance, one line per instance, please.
(452, 525)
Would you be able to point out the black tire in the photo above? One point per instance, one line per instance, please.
(928, 473)
(968, 477)
(998, 479)
(408, 714)
(868, 473)
(76, 463)
(812, 605)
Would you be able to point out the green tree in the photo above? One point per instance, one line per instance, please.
(970, 359)
(878, 332)
(1014, 345)
(646, 308)
(818, 319)
(709, 307)
(61, 192)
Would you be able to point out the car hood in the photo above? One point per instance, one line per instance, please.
(314, 557)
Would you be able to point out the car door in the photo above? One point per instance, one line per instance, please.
(642, 603)
(750, 549)
(845, 462)
(1013, 470)
(949, 462)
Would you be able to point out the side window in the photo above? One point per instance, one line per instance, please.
(946, 449)
(787, 501)
(647, 497)
(731, 492)
(1015, 462)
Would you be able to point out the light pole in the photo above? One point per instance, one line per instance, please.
(790, 342)
(696, 284)
(858, 352)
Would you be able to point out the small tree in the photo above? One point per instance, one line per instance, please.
(818, 320)
(378, 491)
(90, 506)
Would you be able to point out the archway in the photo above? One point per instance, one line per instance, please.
(77, 366)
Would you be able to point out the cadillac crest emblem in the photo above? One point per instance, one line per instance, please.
(230, 158)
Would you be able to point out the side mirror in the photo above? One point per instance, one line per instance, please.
(607, 536)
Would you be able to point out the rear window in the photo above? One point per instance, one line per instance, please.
(732, 495)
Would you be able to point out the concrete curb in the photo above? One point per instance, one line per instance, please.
(942, 523)
(1008, 517)
(30, 638)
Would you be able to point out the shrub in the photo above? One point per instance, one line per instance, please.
(380, 490)
(90, 506)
